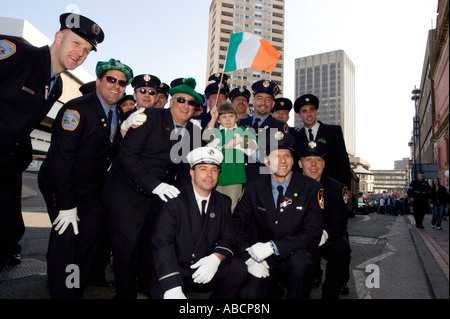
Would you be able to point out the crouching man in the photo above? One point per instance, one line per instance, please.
(193, 241)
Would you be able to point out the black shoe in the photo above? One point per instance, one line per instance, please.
(15, 260)
(344, 290)
(420, 226)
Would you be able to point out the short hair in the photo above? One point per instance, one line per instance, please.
(226, 108)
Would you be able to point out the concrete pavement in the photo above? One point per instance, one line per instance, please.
(412, 263)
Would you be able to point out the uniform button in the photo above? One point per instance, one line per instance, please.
(276, 222)
(193, 256)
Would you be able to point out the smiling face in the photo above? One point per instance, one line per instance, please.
(68, 51)
(312, 166)
(280, 163)
(308, 114)
(263, 104)
(181, 112)
(108, 92)
(204, 178)
(144, 98)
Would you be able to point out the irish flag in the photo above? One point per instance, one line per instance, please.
(247, 50)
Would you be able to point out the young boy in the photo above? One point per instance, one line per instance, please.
(234, 142)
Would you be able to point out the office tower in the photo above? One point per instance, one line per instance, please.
(262, 17)
(331, 77)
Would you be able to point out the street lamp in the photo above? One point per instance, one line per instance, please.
(415, 98)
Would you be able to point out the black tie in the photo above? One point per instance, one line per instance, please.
(204, 208)
(255, 125)
(280, 196)
(311, 137)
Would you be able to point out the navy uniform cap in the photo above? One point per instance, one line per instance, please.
(282, 103)
(87, 87)
(164, 89)
(306, 99)
(239, 92)
(213, 88)
(311, 148)
(216, 77)
(177, 82)
(82, 26)
(265, 86)
(145, 80)
(280, 140)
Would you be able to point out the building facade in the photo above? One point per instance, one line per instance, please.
(331, 77)
(439, 74)
(390, 182)
(262, 17)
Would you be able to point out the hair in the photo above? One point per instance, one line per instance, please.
(438, 185)
(226, 108)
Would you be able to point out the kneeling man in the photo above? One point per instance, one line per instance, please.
(193, 241)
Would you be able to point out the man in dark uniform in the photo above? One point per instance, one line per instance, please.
(336, 156)
(162, 97)
(281, 109)
(150, 158)
(240, 97)
(29, 86)
(262, 122)
(201, 256)
(145, 90)
(419, 193)
(279, 223)
(334, 245)
(85, 140)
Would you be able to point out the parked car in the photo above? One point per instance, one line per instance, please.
(362, 206)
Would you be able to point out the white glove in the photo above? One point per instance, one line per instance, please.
(207, 268)
(174, 293)
(259, 270)
(135, 119)
(324, 238)
(66, 217)
(260, 251)
(165, 189)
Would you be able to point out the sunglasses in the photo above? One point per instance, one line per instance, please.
(144, 91)
(112, 80)
(182, 100)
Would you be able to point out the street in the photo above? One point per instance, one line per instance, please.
(391, 259)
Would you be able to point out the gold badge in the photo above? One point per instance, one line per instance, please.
(279, 135)
(95, 29)
(241, 90)
(307, 99)
(312, 144)
(211, 152)
(266, 84)
(282, 103)
(147, 78)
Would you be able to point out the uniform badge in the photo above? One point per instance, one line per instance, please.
(70, 120)
(320, 198)
(266, 84)
(7, 49)
(322, 140)
(286, 203)
(212, 215)
(278, 135)
(345, 194)
(147, 78)
(95, 29)
(312, 144)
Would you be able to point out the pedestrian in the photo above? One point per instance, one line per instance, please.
(145, 88)
(382, 208)
(162, 97)
(30, 84)
(279, 223)
(128, 105)
(336, 156)
(240, 97)
(150, 167)
(234, 142)
(419, 193)
(439, 199)
(334, 244)
(262, 122)
(199, 257)
(83, 146)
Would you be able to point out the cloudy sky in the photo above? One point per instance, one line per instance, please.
(385, 39)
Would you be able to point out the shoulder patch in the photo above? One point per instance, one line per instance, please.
(70, 120)
(320, 198)
(7, 49)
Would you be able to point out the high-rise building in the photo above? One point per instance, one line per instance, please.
(331, 77)
(262, 17)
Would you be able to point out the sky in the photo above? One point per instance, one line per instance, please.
(385, 39)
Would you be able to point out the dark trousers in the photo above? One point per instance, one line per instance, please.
(12, 226)
(225, 284)
(126, 236)
(421, 207)
(69, 256)
(295, 272)
(337, 255)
